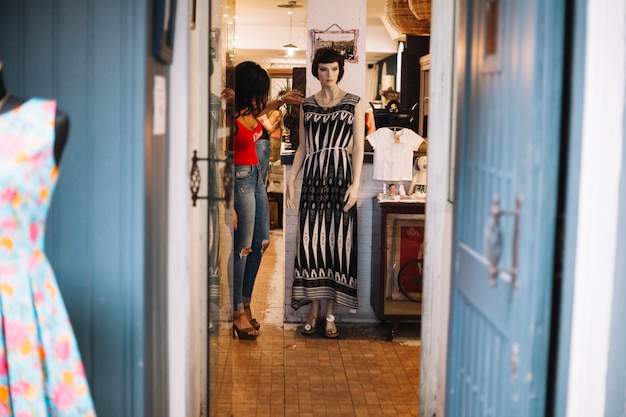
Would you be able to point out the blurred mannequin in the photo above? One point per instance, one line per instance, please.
(62, 124)
(42, 370)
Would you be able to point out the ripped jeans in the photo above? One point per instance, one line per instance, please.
(253, 231)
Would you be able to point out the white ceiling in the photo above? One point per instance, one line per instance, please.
(262, 28)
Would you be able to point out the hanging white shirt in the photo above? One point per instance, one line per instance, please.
(393, 153)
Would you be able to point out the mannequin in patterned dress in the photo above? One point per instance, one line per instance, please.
(41, 371)
(330, 152)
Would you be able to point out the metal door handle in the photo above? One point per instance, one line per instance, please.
(195, 179)
(493, 240)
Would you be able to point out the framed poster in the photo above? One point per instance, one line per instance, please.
(343, 41)
(407, 255)
(163, 30)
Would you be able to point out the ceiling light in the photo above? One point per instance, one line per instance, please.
(290, 5)
(290, 47)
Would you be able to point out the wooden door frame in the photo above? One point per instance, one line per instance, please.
(438, 257)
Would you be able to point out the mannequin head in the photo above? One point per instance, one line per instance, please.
(327, 56)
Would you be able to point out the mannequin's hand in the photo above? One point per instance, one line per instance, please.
(289, 196)
(234, 220)
(350, 197)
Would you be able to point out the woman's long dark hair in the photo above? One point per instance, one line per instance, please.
(252, 87)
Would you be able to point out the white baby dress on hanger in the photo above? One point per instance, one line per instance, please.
(393, 153)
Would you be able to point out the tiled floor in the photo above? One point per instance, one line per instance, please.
(285, 374)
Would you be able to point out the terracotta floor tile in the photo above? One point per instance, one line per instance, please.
(283, 374)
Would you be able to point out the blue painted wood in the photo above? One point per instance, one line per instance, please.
(508, 135)
(91, 57)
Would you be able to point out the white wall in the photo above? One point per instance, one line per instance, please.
(349, 15)
(379, 39)
(596, 241)
(181, 307)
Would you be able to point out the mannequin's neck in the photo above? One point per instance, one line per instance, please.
(330, 90)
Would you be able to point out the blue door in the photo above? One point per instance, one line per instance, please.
(510, 83)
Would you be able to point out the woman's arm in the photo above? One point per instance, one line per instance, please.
(293, 97)
(270, 123)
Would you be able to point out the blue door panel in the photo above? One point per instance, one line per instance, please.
(473, 281)
(482, 363)
(91, 57)
(508, 142)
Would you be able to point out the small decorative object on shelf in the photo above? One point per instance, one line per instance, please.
(418, 185)
(389, 94)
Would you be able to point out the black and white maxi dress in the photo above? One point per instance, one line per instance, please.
(326, 257)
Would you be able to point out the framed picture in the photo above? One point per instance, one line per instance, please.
(405, 239)
(163, 30)
(343, 41)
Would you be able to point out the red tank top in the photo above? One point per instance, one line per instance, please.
(245, 139)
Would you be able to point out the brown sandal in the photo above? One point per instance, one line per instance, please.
(249, 333)
(309, 328)
(253, 321)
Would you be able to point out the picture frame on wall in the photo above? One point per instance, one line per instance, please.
(343, 41)
(163, 30)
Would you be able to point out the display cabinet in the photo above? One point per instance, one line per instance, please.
(397, 242)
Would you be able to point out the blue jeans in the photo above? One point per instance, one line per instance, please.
(263, 149)
(253, 231)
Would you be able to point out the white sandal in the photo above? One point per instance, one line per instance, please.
(331, 328)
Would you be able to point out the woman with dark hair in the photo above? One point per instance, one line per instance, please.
(251, 216)
(332, 131)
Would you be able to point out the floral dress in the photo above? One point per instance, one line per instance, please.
(41, 372)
